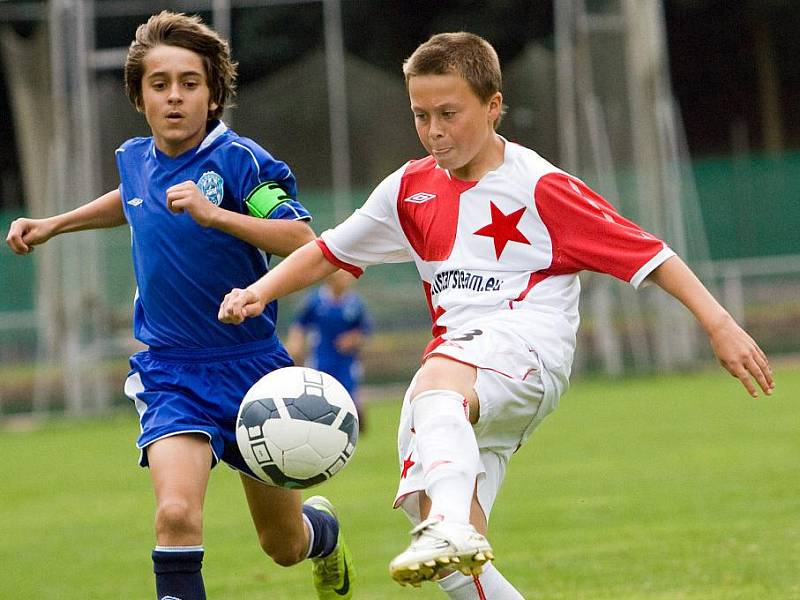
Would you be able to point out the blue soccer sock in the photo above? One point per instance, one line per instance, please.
(323, 531)
(177, 570)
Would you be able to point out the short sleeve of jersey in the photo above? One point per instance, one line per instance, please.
(589, 234)
(291, 210)
(259, 166)
(372, 234)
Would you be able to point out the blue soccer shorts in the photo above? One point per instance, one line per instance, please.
(178, 391)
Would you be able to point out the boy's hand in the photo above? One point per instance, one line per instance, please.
(187, 197)
(742, 357)
(25, 233)
(239, 304)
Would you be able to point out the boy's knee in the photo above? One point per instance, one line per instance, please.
(285, 552)
(178, 519)
(440, 372)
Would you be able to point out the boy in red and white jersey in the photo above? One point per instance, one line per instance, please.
(498, 236)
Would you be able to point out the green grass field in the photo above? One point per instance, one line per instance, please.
(661, 488)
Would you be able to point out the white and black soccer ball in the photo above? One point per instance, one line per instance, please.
(297, 427)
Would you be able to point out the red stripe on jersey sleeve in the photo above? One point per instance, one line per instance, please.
(329, 256)
(587, 233)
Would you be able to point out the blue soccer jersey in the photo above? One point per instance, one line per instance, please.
(183, 270)
(326, 318)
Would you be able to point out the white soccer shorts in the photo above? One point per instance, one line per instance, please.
(515, 394)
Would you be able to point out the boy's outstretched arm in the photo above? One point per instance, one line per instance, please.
(735, 349)
(105, 211)
(302, 268)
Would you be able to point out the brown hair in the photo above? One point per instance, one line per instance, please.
(462, 53)
(189, 32)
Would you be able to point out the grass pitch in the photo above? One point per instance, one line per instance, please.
(660, 488)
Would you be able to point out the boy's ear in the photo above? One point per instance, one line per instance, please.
(212, 106)
(496, 105)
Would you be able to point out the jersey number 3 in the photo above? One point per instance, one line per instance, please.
(466, 336)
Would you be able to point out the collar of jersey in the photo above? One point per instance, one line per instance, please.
(215, 129)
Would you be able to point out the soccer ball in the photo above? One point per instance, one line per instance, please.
(297, 427)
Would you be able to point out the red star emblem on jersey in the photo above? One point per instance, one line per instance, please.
(503, 229)
(407, 464)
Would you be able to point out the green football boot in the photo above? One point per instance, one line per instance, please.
(333, 574)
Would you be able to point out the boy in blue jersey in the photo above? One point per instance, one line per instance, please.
(336, 321)
(206, 210)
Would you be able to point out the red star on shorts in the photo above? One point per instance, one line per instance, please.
(407, 464)
(503, 229)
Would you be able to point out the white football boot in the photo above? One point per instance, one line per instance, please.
(438, 546)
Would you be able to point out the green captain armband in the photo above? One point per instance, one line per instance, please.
(265, 198)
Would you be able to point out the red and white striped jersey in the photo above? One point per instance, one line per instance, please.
(513, 241)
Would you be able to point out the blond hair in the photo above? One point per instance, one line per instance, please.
(189, 32)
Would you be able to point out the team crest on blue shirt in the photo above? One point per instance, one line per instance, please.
(210, 183)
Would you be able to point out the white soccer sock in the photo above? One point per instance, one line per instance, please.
(491, 585)
(448, 452)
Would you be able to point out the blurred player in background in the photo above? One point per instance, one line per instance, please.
(334, 320)
(498, 236)
(206, 208)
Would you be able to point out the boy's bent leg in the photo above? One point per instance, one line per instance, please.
(449, 457)
(278, 518)
(448, 450)
(444, 406)
(290, 532)
(179, 467)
